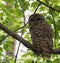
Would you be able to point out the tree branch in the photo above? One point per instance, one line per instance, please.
(48, 6)
(25, 42)
(56, 51)
(37, 8)
(14, 35)
(13, 31)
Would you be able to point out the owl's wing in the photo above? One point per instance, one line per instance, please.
(49, 29)
(48, 36)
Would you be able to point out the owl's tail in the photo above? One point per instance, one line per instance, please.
(46, 54)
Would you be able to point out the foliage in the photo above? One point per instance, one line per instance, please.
(12, 15)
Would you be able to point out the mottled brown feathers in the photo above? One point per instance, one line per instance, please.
(41, 35)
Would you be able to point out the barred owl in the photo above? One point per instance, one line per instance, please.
(41, 35)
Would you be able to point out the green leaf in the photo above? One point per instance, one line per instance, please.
(9, 1)
(18, 13)
(1, 16)
(55, 14)
(57, 7)
(24, 4)
(49, 61)
(2, 6)
(34, 4)
(58, 27)
(56, 61)
(49, 19)
(28, 38)
(1, 49)
(55, 1)
(8, 46)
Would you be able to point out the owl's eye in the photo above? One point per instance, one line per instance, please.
(32, 19)
(37, 19)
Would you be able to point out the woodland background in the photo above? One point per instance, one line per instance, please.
(14, 16)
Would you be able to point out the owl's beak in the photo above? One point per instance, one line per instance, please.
(35, 22)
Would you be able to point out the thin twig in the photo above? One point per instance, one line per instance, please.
(21, 33)
(48, 6)
(37, 8)
(53, 23)
(54, 26)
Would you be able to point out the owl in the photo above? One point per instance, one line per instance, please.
(41, 35)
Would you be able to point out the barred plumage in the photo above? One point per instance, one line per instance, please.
(41, 35)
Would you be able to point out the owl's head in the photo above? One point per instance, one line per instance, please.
(36, 18)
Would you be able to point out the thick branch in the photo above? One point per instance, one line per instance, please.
(25, 42)
(48, 6)
(14, 35)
